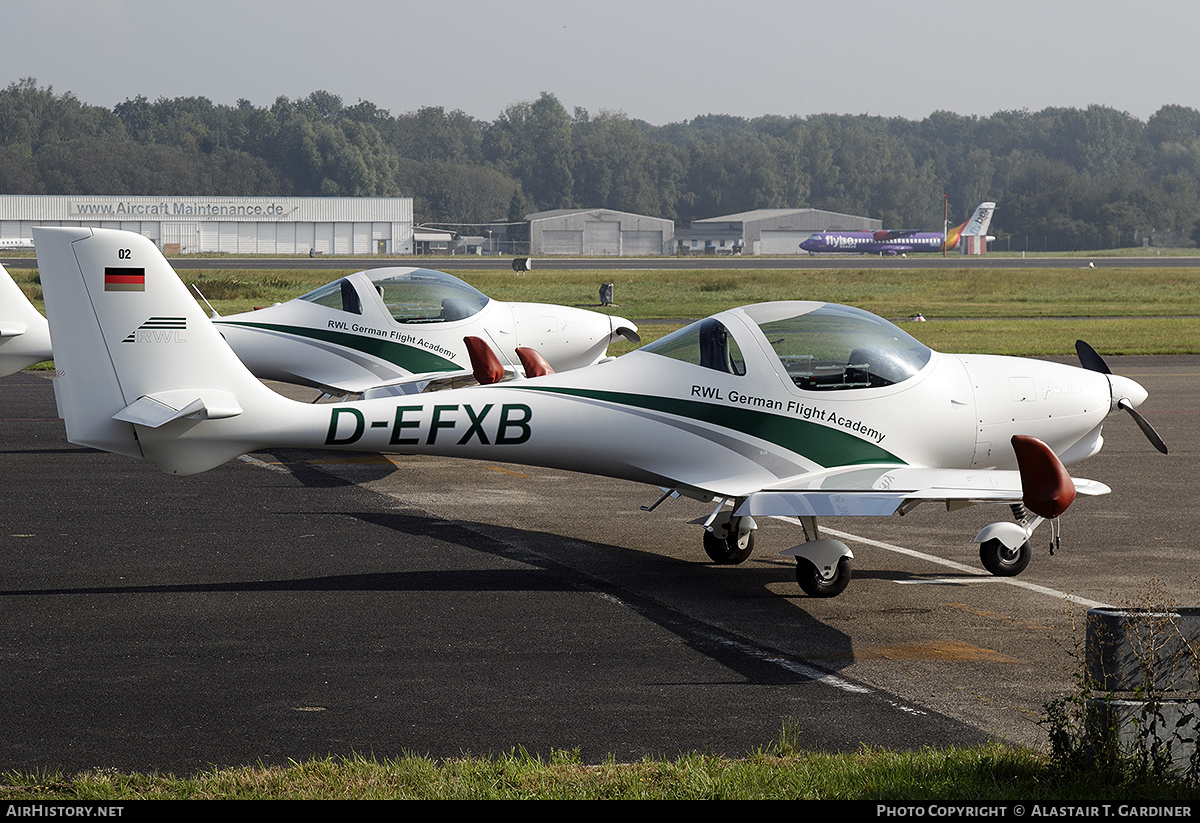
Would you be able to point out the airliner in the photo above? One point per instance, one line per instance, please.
(16, 244)
(901, 241)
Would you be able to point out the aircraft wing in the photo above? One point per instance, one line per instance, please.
(874, 491)
(428, 381)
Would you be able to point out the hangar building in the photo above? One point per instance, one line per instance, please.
(765, 231)
(599, 233)
(234, 225)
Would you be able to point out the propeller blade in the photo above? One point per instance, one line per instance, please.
(1144, 425)
(1089, 359)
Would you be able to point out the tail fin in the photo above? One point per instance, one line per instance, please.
(24, 333)
(980, 221)
(131, 346)
(976, 226)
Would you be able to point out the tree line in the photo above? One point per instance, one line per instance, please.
(1064, 178)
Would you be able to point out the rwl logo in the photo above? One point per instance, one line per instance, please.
(159, 330)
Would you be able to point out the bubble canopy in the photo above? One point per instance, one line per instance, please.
(410, 295)
(820, 346)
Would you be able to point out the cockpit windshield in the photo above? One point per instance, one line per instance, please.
(410, 296)
(427, 296)
(839, 347)
(821, 347)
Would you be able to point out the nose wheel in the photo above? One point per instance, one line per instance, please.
(1002, 561)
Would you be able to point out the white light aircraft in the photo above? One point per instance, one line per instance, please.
(16, 244)
(397, 330)
(795, 408)
(376, 332)
(24, 333)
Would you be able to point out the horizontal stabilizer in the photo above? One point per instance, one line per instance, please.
(154, 410)
(24, 333)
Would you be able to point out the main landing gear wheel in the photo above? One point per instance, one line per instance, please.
(1002, 561)
(814, 585)
(726, 551)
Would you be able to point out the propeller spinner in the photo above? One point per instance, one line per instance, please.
(1127, 394)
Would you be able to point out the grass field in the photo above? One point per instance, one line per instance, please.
(991, 774)
(1003, 311)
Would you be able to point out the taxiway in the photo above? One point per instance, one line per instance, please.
(295, 605)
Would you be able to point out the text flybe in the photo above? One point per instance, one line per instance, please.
(410, 426)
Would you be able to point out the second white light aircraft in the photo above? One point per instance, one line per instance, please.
(395, 330)
(796, 408)
(376, 332)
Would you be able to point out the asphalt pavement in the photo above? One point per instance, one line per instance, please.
(292, 605)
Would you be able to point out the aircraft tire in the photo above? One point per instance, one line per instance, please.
(1003, 561)
(812, 584)
(725, 552)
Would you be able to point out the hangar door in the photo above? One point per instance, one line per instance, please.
(562, 242)
(642, 243)
(600, 237)
(781, 242)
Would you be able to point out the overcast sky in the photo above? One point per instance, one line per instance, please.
(660, 61)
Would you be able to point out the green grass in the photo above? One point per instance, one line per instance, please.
(986, 774)
(1001, 311)
(979, 775)
(1065, 292)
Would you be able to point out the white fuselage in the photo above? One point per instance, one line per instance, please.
(643, 418)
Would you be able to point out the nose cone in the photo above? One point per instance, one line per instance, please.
(567, 337)
(1128, 390)
(620, 327)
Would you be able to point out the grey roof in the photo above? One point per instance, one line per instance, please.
(543, 215)
(766, 214)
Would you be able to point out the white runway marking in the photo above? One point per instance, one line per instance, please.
(975, 576)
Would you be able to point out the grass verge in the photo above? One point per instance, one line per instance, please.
(999, 311)
(987, 774)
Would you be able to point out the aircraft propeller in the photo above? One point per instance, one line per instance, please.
(1090, 360)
